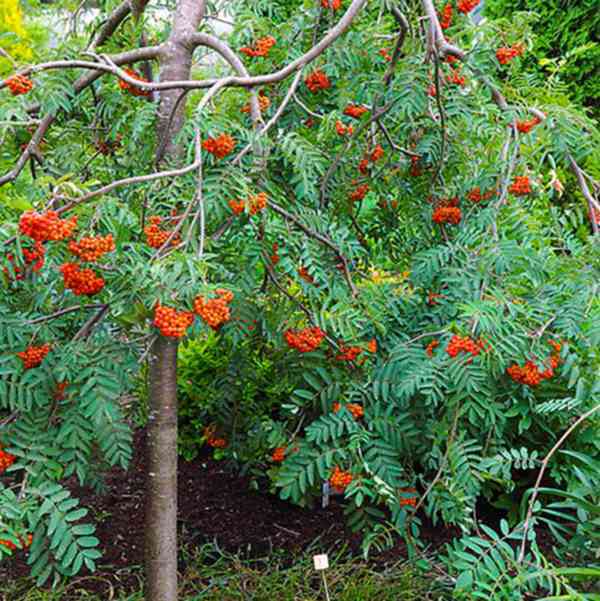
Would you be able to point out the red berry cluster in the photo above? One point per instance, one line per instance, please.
(18, 84)
(455, 77)
(595, 215)
(505, 55)
(530, 374)
(466, 6)
(333, 4)
(520, 186)
(340, 479)
(359, 192)
(81, 281)
(355, 409)
(348, 353)
(431, 347)
(303, 273)
(415, 166)
(475, 195)
(90, 249)
(446, 19)
(33, 356)
(385, 53)
(275, 257)
(278, 454)
(59, 393)
(525, 127)
(343, 130)
(134, 90)
(356, 111)
(463, 344)
(317, 80)
(262, 47)
(32, 256)
(306, 340)
(24, 543)
(155, 236)
(170, 322)
(214, 311)
(220, 146)
(256, 203)
(263, 104)
(42, 227)
(451, 215)
(216, 443)
(108, 147)
(409, 501)
(6, 460)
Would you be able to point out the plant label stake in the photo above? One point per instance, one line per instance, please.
(321, 564)
(326, 491)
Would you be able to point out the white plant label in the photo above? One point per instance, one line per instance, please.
(321, 562)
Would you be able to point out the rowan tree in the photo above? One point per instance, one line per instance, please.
(375, 206)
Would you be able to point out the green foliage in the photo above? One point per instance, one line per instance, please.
(565, 42)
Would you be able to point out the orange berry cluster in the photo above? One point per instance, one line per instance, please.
(134, 90)
(170, 322)
(34, 257)
(505, 55)
(24, 543)
(343, 130)
(463, 344)
(466, 6)
(524, 127)
(262, 47)
(306, 340)
(409, 501)
(155, 236)
(372, 346)
(520, 186)
(278, 454)
(595, 215)
(19, 84)
(340, 479)
(348, 353)
(475, 195)
(455, 77)
(385, 53)
(356, 111)
(214, 311)
(6, 460)
(451, 215)
(431, 347)
(355, 409)
(91, 249)
(59, 393)
(256, 203)
(530, 374)
(42, 227)
(303, 273)
(359, 192)
(33, 356)
(275, 257)
(81, 281)
(446, 19)
(333, 4)
(216, 443)
(415, 166)
(317, 80)
(106, 147)
(263, 104)
(220, 146)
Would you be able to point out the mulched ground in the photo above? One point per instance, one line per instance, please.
(214, 504)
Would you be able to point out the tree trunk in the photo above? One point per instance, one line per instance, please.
(161, 472)
(161, 506)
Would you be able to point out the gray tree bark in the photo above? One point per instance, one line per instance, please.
(161, 504)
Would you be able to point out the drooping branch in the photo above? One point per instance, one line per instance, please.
(111, 24)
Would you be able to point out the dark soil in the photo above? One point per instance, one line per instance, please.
(215, 504)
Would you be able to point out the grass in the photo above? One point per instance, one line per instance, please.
(211, 575)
